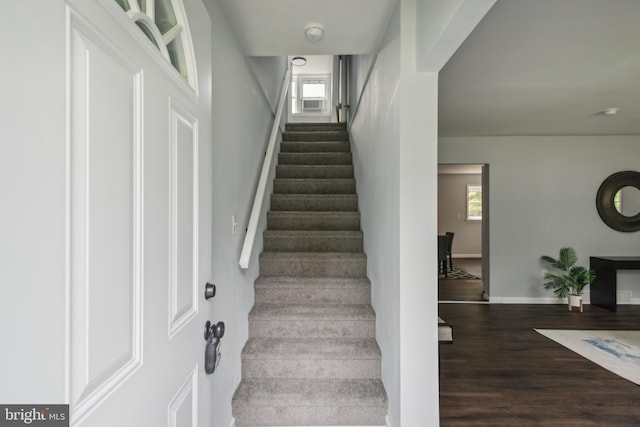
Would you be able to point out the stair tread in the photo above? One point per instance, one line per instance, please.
(334, 312)
(313, 220)
(290, 392)
(313, 233)
(311, 158)
(328, 132)
(307, 180)
(315, 166)
(310, 281)
(283, 256)
(315, 147)
(292, 202)
(314, 186)
(311, 348)
(317, 214)
(321, 127)
(312, 290)
(314, 171)
(315, 197)
(319, 143)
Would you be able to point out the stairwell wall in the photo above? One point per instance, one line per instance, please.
(242, 118)
(394, 138)
(375, 133)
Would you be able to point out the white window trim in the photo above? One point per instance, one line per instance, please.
(181, 29)
(299, 80)
(470, 188)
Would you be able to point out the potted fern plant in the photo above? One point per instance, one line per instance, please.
(570, 280)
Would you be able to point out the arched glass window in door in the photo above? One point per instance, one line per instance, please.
(164, 22)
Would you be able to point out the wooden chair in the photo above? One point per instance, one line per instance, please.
(442, 254)
(449, 245)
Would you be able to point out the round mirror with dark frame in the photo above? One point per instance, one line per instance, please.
(617, 202)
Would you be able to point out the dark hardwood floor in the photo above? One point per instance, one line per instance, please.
(462, 290)
(500, 372)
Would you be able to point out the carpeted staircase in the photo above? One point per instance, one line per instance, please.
(312, 358)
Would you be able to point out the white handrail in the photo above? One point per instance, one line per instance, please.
(252, 228)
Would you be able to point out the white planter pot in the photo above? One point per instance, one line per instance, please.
(575, 301)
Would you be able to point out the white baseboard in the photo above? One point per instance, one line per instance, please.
(454, 256)
(623, 299)
(447, 301)
(527, 300)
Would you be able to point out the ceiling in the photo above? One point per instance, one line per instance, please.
(530, 67)
(460, 169)
(276, 27)
(546, 67)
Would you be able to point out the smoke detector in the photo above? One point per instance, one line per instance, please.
(314, 32)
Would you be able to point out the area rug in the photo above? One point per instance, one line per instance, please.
(458, 274)
(616, 351)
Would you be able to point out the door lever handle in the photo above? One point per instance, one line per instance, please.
(212, 354)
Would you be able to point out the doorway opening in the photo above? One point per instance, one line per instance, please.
(463, 209)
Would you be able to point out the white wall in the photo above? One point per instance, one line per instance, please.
(418, 230)
(394, 136)
(267, 71)
(452, 206)
(32, 188)
(375, 135)
(542, 197)
(242, 120)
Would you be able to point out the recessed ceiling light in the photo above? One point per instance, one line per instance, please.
(610, 112)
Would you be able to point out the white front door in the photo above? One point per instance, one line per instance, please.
(139, 239)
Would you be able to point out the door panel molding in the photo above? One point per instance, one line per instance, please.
(184, 217)
(105, 272)
(183, 407)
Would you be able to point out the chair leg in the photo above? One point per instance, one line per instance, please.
(444, 267)
(450, 263)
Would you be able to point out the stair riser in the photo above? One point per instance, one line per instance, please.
(310, 416)
(332, 135)
(316, 244)
(315, 159)
(315, 171)
(283, 202)
(312, 328)
(314, 186)
(327, 368)
(312, 267)
(315, 147)
(315, 127)
(310, 295)
(326, 222)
